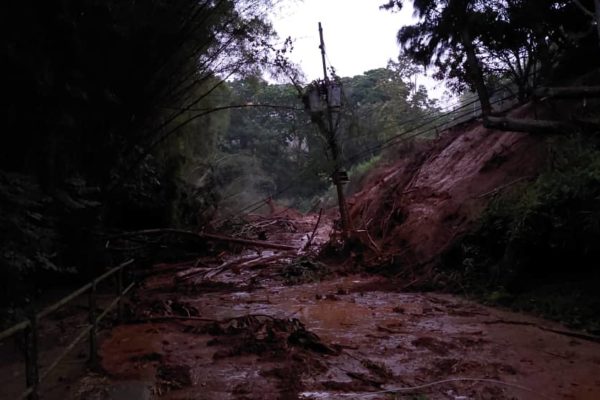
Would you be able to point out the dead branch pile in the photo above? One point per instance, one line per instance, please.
(235, 265)
(262, 228)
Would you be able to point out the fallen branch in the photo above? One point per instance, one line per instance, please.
(260, 226)
(207, 236)
(192, 272)
(237, 266)
(569, 92)
(262, 261)
(527, 125)
(189, 273)
(312, 236)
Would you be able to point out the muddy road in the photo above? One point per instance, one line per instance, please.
(250, 326)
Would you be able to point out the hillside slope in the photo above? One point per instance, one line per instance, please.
(415, 208)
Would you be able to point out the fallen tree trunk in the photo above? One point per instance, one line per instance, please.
(568, 92)
(207, 236)
(191, 272)
(237, 266)
(312, 236)
(527, 125)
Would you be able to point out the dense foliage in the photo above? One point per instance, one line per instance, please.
(481, 44)
(92, 83)
(536, 246)
(107, 106)
(271, 148)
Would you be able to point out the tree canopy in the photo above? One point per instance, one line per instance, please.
(480, 45)
(279, 152)
(91, 85)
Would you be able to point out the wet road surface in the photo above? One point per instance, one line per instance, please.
(246, 334)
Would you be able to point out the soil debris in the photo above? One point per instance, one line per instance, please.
(336, 337)
(417, 207)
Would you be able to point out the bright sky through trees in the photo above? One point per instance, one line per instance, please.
(358, 35)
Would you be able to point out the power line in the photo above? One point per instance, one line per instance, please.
(259, 203)
(410, 134)
(395, 137)
(430, 120)
(394, 140)
(359, 156)
(474, 100)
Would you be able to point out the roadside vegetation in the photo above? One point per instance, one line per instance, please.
(535, 247)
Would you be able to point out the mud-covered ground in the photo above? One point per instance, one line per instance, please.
(256, 331)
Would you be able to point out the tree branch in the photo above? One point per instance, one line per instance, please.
(585, 10)
(527, 125)
(206, 236)
(568, 92)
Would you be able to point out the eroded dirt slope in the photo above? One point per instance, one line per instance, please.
(416, 207)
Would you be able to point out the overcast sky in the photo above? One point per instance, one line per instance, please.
(358, 35)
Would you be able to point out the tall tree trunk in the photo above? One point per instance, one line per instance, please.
(475, 73)
(597, 3)
(545, 57)
(522, 92)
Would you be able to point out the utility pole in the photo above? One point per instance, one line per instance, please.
(331, 141)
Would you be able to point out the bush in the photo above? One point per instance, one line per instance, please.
(359, 172)
(539, 235)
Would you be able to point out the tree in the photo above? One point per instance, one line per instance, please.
(274, 130)
(489, 43)
(445, 36)
(381, 103)
(92, 86)
(271, 127)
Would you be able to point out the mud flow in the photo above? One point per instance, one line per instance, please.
(274, 325)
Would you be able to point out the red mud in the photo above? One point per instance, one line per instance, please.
(419, 205)
(253, 337)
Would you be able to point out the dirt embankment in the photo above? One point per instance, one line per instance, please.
(416, 207)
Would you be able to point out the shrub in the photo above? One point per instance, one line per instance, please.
(539, 238)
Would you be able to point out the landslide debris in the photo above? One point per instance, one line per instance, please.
(419, 205)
